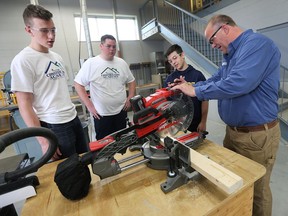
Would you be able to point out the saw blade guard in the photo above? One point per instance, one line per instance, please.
(181, 110)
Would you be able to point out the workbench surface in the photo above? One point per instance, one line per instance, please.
(137, 191)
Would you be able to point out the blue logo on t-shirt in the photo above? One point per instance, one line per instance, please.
(110, 73)
(55, 70)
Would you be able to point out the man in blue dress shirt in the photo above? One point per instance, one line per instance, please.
(246, 86)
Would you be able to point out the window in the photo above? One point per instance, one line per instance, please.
(99, 25)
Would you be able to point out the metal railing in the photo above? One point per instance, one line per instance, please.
(182, 23)
(191, 29)
(283, 95)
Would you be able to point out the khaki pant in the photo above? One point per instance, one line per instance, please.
(260, 146)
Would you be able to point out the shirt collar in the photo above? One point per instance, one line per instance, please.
(232, 47)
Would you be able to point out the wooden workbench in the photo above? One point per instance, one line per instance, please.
(137, 192)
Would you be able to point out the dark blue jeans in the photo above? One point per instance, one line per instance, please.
(109, 124)
(70, 136)
(194, 124)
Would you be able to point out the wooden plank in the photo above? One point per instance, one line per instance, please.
(217, 174)
(228, 181)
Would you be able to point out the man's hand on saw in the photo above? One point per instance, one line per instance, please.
(177, 81)
(186, 88)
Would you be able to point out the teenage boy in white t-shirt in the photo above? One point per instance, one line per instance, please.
(39, 81)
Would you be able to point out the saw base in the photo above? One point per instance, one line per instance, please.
(175, 180)
(157, 155)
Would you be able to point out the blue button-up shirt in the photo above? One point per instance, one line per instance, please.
(247, 83)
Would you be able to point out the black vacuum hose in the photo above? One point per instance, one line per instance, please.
(16, 135)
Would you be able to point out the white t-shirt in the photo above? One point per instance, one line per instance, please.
(44, 75)
(107, 82)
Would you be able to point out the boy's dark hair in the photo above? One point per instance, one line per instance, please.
(173, 48)
(35, 11)
(107, 36)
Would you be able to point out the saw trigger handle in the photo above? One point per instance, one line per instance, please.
(144, 113)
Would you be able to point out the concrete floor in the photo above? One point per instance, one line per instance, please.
(216, 130)
(279, 181)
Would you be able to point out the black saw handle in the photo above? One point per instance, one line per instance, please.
(16, 135)
(144, 113)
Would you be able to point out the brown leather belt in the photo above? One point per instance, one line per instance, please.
(248, 129)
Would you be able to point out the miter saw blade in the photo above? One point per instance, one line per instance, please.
(181, 111)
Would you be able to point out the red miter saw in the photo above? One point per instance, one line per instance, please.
(166, 112)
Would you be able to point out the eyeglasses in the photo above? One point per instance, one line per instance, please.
(174, 58)
(211, 39)
(45, 30)
(110, 46)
